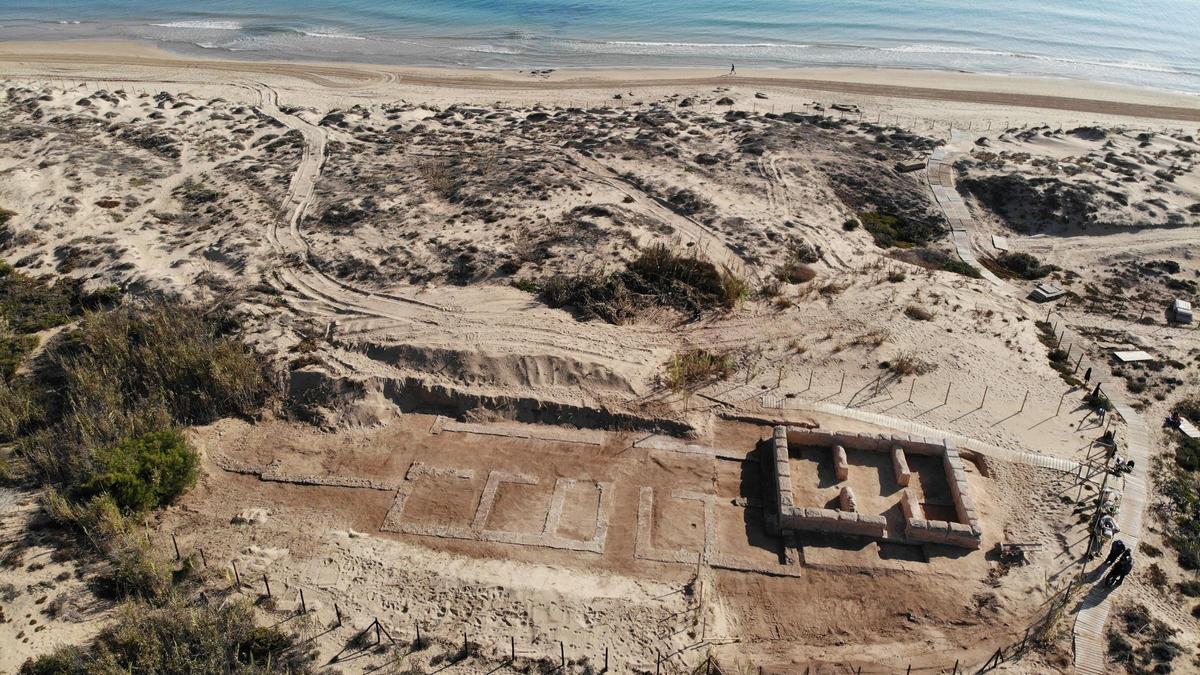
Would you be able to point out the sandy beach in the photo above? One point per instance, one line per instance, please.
(952, 97)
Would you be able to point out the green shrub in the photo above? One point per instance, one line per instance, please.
(1187, 454)
(1182, 521)
(178, 638)
(1024, 265)
(144, 473)
(128, 372)
(1189, 408)
(133, 568)
(19, 407)
(30, 305)
(1190, 588)
(658, 277)
(13, 349)
(68, 660)
(894, 231)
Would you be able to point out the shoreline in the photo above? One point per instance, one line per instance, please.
(92, 59)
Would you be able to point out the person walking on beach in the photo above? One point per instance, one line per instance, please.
(732, 69)
(1116, 576)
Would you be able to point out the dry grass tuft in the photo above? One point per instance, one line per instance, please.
(918, 313)
(693, 369)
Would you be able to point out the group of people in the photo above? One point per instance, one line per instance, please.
(1120, 557)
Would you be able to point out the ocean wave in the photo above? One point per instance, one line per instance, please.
(718, 45)
(203, 25)
(491, 49)
(971, 51)
(335, 36)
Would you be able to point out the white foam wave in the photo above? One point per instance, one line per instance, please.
(491, 49)
(335, 36)
(717, 45)
(971, 51)
(202, 25)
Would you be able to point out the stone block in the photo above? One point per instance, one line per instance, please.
(847, 500)
(798, 436)
(783, 467)
(841, 467)
(911, 506)
(874, 526)
(846, 440)
(900, 466)
(963, 535)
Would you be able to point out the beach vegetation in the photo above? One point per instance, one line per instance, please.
(1058, 358)
(893, 231)
(909, 363)
(178, 637)
(144, 473)
(935, 259)
(123, 374)
(196, 193)
(1142, 643)
(660, 277)
(696, 368)
(1024, 265)
(918, 312)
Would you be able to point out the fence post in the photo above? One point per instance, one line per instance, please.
(176, 543)
(304, 605)
(267, 583)
(337, 611)
(512, 643)
(236, 577)
(562, 655)
(203, 560)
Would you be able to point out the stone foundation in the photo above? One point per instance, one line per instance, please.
(965, 531)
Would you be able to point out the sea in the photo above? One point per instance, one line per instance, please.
(1149, 43)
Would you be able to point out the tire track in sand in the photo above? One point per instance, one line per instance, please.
(499, 322)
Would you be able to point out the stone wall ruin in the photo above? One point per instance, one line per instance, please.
(965, 531)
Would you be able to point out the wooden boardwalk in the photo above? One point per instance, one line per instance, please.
(1091, 645)
(940, 167)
